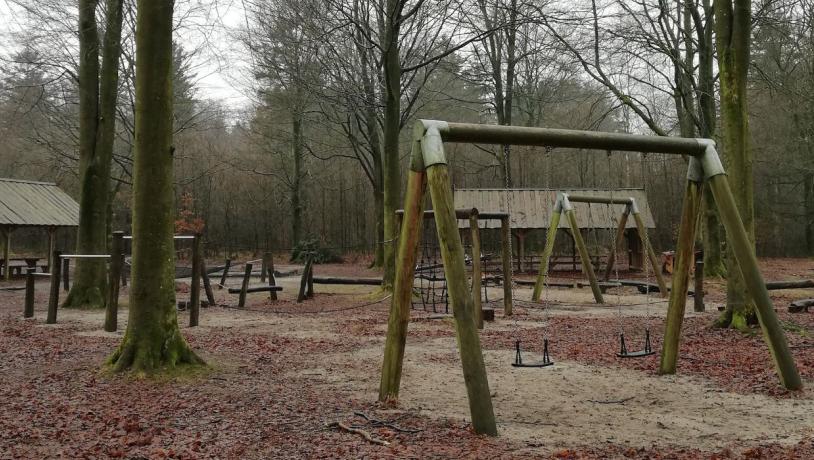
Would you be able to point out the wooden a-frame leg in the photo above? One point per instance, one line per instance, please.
(585, 258)
(620, 236)
(551, 236)
(651, 254)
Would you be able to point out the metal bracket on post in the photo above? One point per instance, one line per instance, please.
(706, 165)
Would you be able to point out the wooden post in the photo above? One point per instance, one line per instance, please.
(698, 299)
(226, 266)
(195, 289)
(651, 254)
(268, 261)
(247, 275)
(452, 254)
(620, 236)
(408, 244)
(477, 270)
(678, 295)
(744, 252)
(116, 262)
(550, 238)
(263, 267)
(53, 298)
(210, 296)
(521, 250)
(303, 292)
(310, 293)
(66, 274)
(6, 250)
(28, 310)
(585, 258)
(52, 244)
(505, 234)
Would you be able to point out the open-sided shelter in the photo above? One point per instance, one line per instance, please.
(28, 204)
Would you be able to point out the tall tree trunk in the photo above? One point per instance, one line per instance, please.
(733, 26)
(296, 183)
(153, 340)
(392, 127)
(97, 125)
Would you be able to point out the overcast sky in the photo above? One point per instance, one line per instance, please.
(218, 66)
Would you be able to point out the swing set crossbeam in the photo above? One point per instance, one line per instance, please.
(429, 172)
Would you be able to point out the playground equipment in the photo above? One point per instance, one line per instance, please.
(429, 171)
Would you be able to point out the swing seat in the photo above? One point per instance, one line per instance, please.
(518, 358)
(648, 350)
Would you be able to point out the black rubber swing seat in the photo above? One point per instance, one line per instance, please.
(518, 358)
(648, 349)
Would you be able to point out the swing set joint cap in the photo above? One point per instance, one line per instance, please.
(706, 165)
(563, 203)
(634, 208)
(432, 144)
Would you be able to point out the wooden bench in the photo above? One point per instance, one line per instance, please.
(17, 265)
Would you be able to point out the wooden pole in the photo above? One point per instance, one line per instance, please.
(226, 266)
(28, 310)
(505, 233)
(408, 244)
(743, 248)
(620, 236)
(477, 270)
(268, 261)
(210, 296)
(681, 273)
(263, 267)
(585, 258)
(66, 274)
(195, 289)
(452, 253)
(303, 292)
(247, 275)
(651, 254)
(53, 298)
(310, 293)
(521, 250)
(550, 238)
(116, 262)
(6, 250)
(52, 244)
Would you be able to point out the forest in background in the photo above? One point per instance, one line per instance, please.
(305, 159)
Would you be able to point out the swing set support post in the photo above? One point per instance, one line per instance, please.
(587, 265)
(550, 238)
(476, 268)
(620, 236)
(651, 254)
(505, 236)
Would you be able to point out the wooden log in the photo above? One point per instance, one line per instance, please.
(226, 265)
(620, 236)
(651, 254)
(247, 276)
(545, 258)
(452, 254)
(744, 251)
(477, 269)
(195, 288)
(116, 262)
(210, 296)
(587, 266)
(690, 213)
(303, 292)
(66, 274)
(53, 298)
(800, 284)
(28, 310)
(268, 261)
(347, 281)
(408, 244)
(505, 246)
(801, 305)
(252, 289)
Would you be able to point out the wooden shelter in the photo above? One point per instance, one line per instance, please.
(531, 209)
(29, 204)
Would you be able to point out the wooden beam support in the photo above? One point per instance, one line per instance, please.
(6, 249)
(53, 298)
(268, 263)
(247, 276)
(620, 237)
(28, 309)
(743, 248)
(651, 254)
(550, 238)
(477, 270)
(195, 288)
(691, 211)
(409, 240)
(585, 258)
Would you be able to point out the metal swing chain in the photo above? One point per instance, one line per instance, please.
(508, 277)
(646, 241)
(615, 222)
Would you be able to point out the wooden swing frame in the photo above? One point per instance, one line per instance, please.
(429, 171)
(563, 206)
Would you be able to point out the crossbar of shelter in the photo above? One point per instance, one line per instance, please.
(429, 172)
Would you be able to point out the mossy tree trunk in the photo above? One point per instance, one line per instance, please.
(97, 123)
(733, 27)
(153, 340)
